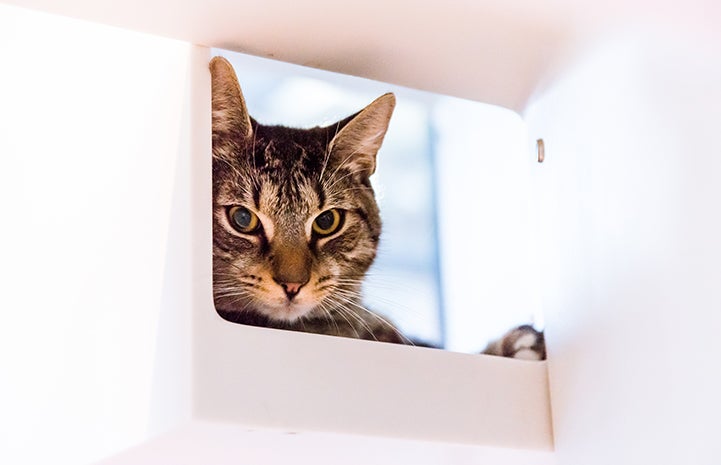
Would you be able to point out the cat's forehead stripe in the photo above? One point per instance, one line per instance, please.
(256, 197)
(296, 199)
(321, 198)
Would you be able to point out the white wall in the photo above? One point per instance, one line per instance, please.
(94, 242)
(628, 200)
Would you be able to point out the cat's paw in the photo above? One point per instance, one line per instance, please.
(523, 342)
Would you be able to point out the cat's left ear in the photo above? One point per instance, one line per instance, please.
(355, 146)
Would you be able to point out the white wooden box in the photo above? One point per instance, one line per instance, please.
(108, 335)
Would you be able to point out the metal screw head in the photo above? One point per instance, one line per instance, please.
(541, 150)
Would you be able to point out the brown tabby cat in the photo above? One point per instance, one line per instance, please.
(296, 225)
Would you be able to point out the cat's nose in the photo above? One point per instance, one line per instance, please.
(291, 289)
(291, 264)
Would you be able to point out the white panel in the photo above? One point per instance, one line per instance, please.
(93, 307)
(492, 51)
(629, 203)
(304, 382)
(224, 444)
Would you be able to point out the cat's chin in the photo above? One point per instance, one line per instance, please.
(289, 312)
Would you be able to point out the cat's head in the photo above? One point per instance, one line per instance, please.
(295, 222)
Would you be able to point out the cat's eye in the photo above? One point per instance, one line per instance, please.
(328, 222)
(243, 220)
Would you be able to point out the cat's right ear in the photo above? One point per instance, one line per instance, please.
(231, 120)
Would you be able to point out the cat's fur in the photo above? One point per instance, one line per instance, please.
(283, 273)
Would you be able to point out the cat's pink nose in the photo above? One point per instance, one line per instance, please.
(291, 289)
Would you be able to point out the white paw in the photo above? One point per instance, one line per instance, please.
(524, 347)
(523, 342)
